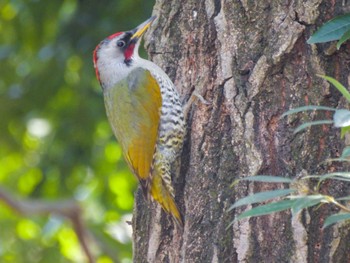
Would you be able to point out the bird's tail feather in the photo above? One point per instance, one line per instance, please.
(162, 191)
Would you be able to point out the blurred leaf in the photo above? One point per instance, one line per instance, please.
(104, 259)
(113, 152)
(338, 86)
(335, 219)
(337, 175)
(306, 108)
(267, 179)
(120, 185)
(260, 197)
(69, 245)
(331, 30)
(29, 180)
(311, 123)
(343, 131)
(267, 209)
(346, 152)
(27, 229)
(343, 38)
(306, 201)
(345, 198)
(341, 118)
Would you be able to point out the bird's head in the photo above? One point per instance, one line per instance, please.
(119, 51)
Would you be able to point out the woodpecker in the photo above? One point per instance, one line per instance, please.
(144, 111)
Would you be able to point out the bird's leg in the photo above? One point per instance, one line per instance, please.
(194, 97)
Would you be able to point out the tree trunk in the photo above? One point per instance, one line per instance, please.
(251, 62)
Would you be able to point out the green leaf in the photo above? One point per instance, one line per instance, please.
(336, 175)
(343, 131)
(306, 108)
(335, 219)
(267, 209)
(346, 152)
(267, 179)
(306, 201)
(344, 38)
(345, 198)
(260, 197)
(312, 123)
(338, 86)
(341, 118)
(331, 30)
(341, 176)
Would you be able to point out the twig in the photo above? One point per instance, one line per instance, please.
(67, 208)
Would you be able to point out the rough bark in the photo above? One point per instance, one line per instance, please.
(250, 60)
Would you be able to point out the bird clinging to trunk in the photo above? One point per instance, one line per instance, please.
(144, 111)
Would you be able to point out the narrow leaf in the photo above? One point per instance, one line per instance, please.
(345, 198)
(346, 152)
(343, 38)
(267, 179)
(341, 118)
(335, 219)
(305, 202)
(306, 108)
(260, 197)
(311, 123)
(335, 175)
(343, 131)
(340, 178)
(331, 30)
(338, 86)
(267, 209)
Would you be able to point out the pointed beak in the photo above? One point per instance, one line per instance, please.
(141, 29)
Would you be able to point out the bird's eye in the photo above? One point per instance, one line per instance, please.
(120, 43)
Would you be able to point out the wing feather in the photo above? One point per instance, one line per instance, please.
(133, 108)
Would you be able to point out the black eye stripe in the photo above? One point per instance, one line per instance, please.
(124, 41)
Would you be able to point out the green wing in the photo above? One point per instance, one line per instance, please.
(133, 108)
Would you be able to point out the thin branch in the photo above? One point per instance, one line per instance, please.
(67, 208)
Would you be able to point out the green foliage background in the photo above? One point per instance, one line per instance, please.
(55, 141)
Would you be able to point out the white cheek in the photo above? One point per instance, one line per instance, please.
(112, 68)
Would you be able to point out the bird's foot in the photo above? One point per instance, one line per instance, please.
(194, 97)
